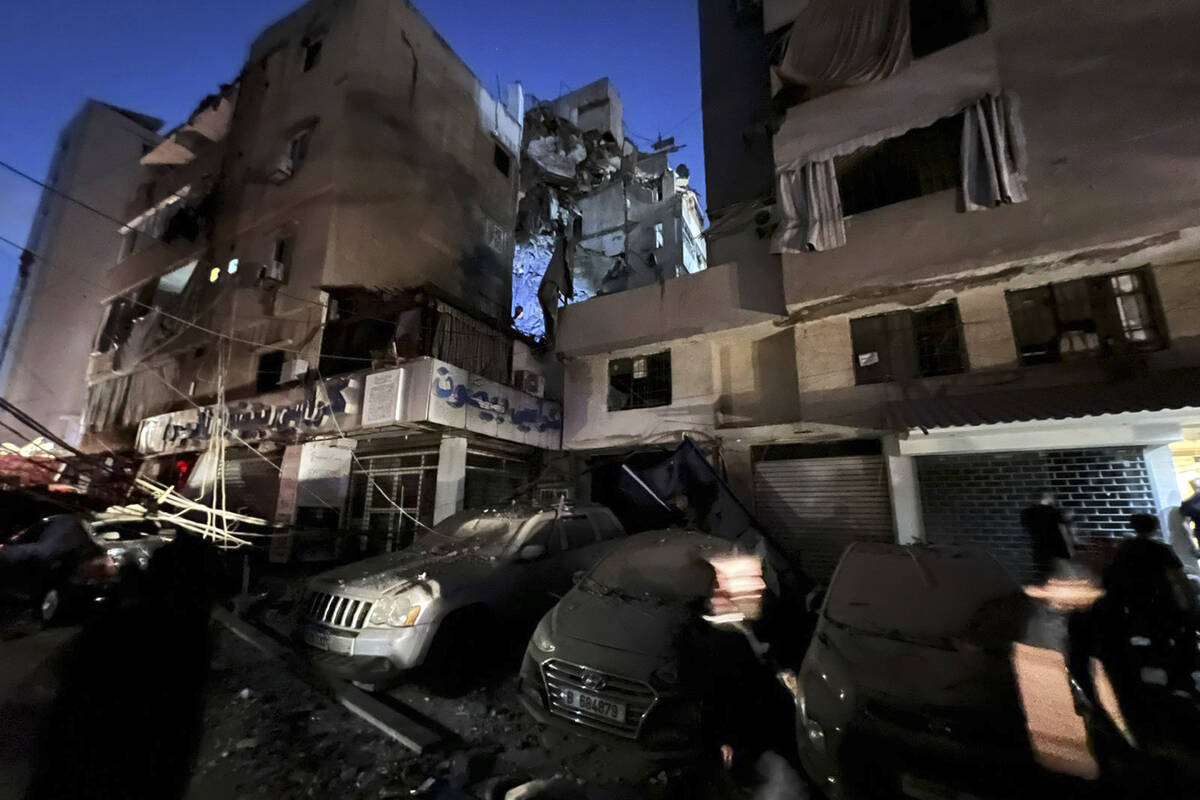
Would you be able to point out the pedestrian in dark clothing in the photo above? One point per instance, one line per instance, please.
(1146, 577)
(1049, 537)
(1191, 506)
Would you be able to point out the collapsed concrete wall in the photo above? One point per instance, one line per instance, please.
(596, 216)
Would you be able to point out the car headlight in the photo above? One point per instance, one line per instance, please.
(380, 611)
(815, 733)
(542, 639)
(668, 673)
(402, 614)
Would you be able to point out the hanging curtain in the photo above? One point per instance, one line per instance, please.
(847, 42)
(993, 153)
(811, 209)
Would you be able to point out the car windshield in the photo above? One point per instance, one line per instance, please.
(488, 533)
(925, 595)
(670, 568)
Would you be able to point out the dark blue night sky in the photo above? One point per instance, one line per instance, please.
(161, 58)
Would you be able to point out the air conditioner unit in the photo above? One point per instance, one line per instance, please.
(530, 382)
(293, 370)
(281, 170)
(273, 271)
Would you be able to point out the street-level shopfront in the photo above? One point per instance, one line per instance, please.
(370, 452)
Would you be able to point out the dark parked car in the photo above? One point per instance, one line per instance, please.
(379, 617)
(132, 542)
(908, 687)
(56, 564)
(632, 652)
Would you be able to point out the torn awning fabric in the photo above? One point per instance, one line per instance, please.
(837, 43)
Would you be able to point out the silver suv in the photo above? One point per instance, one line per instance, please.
(376, 618)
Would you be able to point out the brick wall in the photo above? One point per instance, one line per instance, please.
(977, 499)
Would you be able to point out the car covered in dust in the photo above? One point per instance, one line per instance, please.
(639, 651)
(471, 574)
(908, 687)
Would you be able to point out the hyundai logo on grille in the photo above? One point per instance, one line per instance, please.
(594, 681)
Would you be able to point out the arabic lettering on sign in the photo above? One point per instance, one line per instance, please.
(499, 404)
(255, 420)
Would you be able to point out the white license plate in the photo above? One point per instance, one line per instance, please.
(596, 706)
(324, 640)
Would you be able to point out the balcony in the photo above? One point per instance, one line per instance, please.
(726, 296)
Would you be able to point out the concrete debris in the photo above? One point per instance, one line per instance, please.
(596, 216)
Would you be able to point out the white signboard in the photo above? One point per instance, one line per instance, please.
(459, 399)
(383, 394)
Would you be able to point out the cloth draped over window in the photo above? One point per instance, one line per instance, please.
(993, 153)
(811, 209)
(847, 42)
(466, 342)
(992, 164)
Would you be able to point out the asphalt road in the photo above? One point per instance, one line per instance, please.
(28, 681)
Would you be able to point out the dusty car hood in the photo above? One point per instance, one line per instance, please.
(394, 572)
(918, 675)
(611, 621)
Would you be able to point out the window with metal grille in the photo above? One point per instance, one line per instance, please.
(916, 343)
(1085, 318)
(639, 382)
(494, 479)
(378, 484)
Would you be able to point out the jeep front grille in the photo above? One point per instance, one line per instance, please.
(337, 611)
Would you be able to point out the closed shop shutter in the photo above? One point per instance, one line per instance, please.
(976, 500)
(816, 506)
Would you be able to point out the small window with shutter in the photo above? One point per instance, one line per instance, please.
(901, 345)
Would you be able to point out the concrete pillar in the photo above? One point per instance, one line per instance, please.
(451, 477)
(906, 493)
(1163, 481)
(739, 472)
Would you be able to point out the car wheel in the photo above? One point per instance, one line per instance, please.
(50, 606)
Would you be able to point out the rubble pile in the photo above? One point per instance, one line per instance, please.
(591, 218)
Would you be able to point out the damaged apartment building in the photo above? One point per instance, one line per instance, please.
(596, 216)
(953, 263)
(317, 270)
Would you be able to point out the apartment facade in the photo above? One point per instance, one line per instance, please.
(44, 351)
(949, 270)
(320, 256)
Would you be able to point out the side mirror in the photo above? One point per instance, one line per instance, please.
(532, 552)
(815, 599)
(577, 576)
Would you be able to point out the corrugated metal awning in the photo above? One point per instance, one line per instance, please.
(1165, 391)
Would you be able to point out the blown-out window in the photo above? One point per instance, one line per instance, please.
(1085, 318)
(639, 382)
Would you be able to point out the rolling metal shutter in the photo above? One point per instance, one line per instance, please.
(816, 506)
